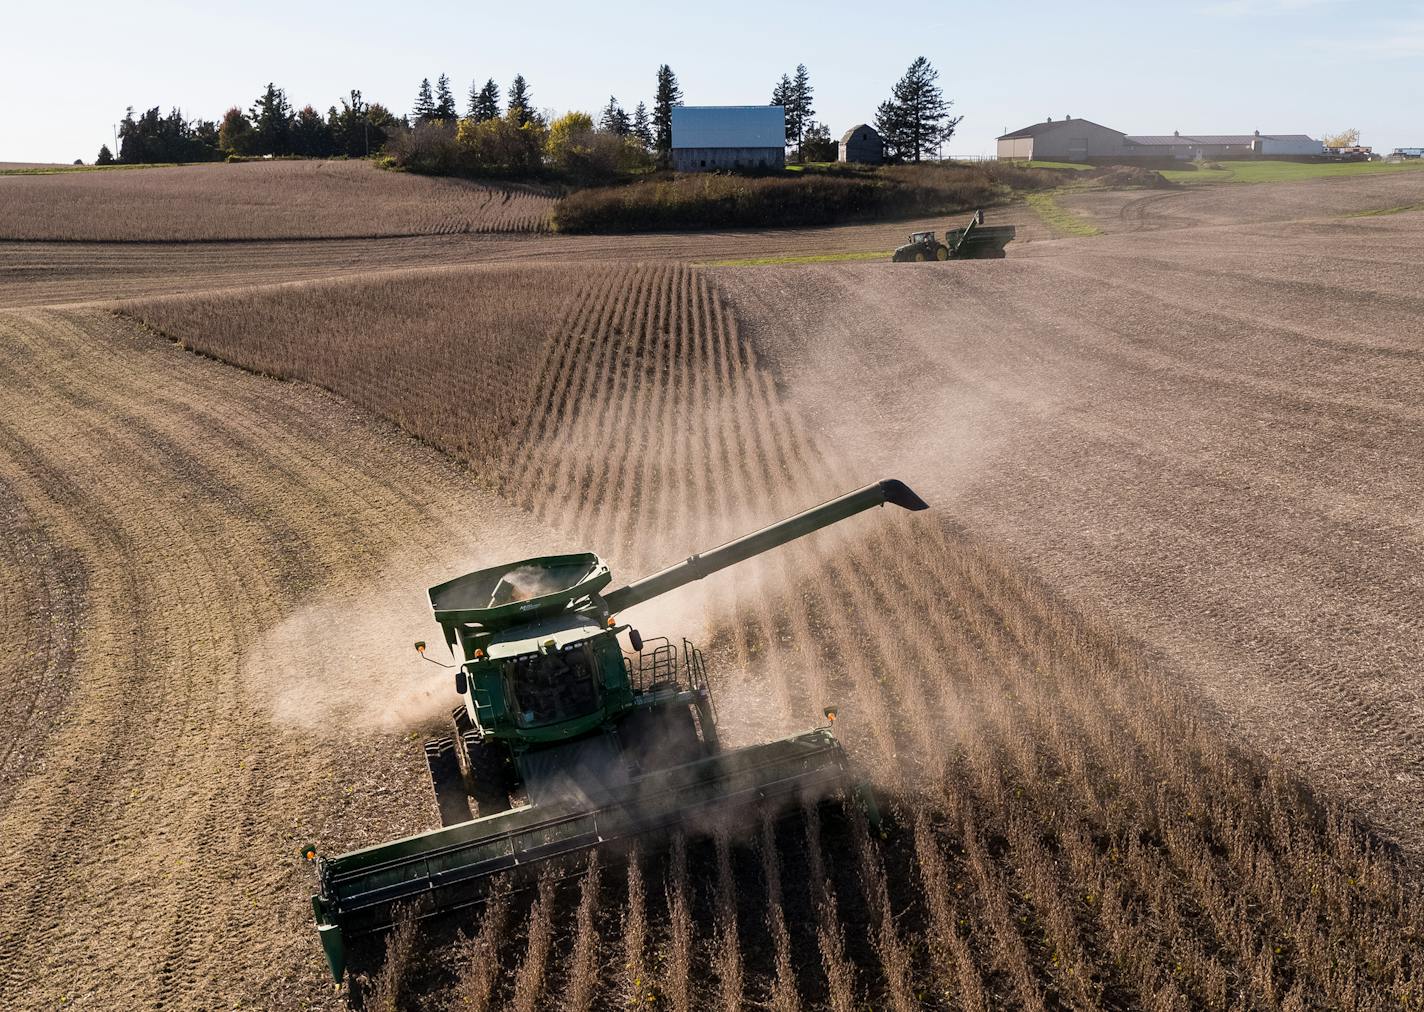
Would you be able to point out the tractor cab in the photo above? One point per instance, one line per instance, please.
(917, 238)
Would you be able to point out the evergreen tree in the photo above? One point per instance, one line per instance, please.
(915, 120)
(424, 102)
(799, 109)
(444, 99)
(311, 135)
(614, 120)
(271, 122)
(521, 100)
(642, 126)
(781, 95)
(484, 104)
(668, 95)
(106, 157)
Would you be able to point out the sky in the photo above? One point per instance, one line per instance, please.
(68, 69)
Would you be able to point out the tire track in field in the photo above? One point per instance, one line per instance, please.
(147, 859)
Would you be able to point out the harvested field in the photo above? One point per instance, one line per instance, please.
(1246, 203)
(1104, 786)
(259, 200)
(171, 516)
(62, 273)
(1215, 440)
(1070, 828)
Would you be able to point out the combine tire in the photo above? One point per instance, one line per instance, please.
(485, 762)
(449, 785)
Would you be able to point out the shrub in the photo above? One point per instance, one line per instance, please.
(708, 200)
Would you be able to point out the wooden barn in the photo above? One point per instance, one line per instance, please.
(862, 143)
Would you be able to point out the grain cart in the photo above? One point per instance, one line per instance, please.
(975, 241)
(564, 742)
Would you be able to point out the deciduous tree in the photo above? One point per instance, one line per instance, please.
(817, 145)
(235, 133)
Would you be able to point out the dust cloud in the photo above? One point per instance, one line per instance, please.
(346, 660)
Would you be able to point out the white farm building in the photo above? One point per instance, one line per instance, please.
(1081, 140)
(709, 137)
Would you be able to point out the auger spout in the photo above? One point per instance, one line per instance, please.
(574, 733)
(890, 490)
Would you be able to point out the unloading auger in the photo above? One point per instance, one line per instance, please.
(563, 742)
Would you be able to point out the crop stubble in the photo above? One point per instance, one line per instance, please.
(1068, 828)
(261, 200)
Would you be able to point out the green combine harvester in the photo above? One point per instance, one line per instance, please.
(563, 741)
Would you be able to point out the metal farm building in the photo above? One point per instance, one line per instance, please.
(1081, 140)
(709, 137)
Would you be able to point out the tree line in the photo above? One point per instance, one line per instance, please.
(505, 133)
(354, 128)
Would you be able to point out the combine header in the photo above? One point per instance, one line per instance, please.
(564, 742)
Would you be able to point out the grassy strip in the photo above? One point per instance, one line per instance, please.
(1283, 172)
(1060, 221)
(800, 258)
(1075, 166)
(1380, 212)
(55, 170)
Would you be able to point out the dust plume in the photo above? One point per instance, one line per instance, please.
(347, 660)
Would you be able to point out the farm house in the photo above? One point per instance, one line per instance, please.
(1080, 140)
(710, 137)
(862, 143)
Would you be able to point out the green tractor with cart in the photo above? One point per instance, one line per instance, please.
(564, 740)
(975, 241)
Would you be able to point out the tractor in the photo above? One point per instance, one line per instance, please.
(975, 241)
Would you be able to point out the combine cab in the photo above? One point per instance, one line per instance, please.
(975, 241)
(563, 741)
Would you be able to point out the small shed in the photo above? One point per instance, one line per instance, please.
(862, 143)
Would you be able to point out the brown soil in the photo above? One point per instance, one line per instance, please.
(1215, 438)
(1246, 204)
(259, 200)
(60, 273)
(169, 516)
(220, 565)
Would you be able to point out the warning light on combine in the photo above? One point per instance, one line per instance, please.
(420, 646)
